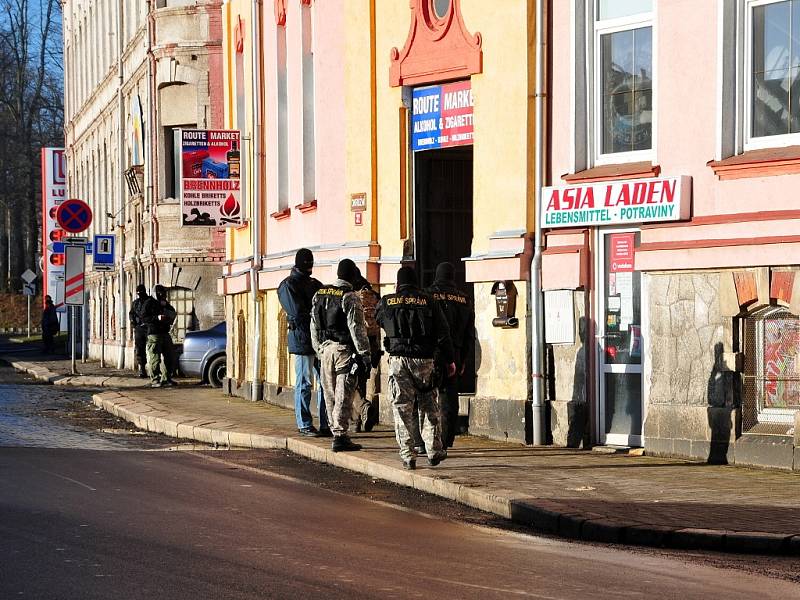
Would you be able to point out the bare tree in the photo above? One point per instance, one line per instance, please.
(31, 114)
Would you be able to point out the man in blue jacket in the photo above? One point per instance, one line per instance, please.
(295, 294)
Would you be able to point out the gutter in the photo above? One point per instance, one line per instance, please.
(257, 387)
(535, 287)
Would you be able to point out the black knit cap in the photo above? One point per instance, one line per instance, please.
(445, 272)
(161, 291)
(141, 290)
(304, 259)
(406, 276)
(347, 270)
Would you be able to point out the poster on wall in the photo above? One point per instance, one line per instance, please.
(211, 194)
(54, 192)
(441, 116)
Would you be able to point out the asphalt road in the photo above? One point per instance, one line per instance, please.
(132, 518)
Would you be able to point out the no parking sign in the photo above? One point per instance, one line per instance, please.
(74, 215)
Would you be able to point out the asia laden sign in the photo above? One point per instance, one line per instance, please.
(211, 192)
(617, 202)
(441, 116)
(54, 192)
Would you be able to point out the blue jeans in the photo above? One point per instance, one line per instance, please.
(304, 365)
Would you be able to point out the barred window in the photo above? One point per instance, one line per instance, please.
(182, 300)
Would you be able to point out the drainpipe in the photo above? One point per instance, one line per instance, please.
(256, 389)
(535, 287)
(122, 317)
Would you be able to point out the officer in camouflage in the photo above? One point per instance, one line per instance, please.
(460, 314)
(416, 329)
(339, 337)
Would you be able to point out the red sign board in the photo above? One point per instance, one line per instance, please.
(622, 253)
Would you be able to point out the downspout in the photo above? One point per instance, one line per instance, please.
(535, 287)
(256, 389)
(373, 108)
(122, 317)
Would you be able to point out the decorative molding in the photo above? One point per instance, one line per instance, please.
(280, 13)
(305, 207)
(306, 2)
(758, 163)
(281, 214)
(637, 170)
(436, 49)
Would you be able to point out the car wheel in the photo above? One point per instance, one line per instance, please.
(217, 370)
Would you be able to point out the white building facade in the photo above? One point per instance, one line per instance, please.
(135, 72)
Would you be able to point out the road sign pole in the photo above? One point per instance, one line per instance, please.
(103, 323)
(29, 318)
(73, 367)
(84, 333)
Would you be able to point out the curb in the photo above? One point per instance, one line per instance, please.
(45, 375)
(545, 515)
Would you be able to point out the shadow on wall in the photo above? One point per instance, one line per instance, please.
(723, 393)
(577, 432)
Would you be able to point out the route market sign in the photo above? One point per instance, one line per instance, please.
(617, 202)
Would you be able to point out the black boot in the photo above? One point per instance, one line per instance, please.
(342, 443)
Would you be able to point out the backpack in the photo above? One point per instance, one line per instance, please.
(369, 302)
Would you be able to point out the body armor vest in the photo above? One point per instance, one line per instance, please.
(329, 313)
(409, 324)
(456, 308)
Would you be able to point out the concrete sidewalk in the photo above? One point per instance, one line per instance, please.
(577, 494)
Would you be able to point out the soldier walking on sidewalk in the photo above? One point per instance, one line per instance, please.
(460, 314)
(339, 337)
(415, 330)
(136, 317)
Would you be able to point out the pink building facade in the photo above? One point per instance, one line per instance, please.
(670, 269)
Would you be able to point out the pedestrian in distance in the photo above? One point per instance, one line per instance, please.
(295, 294)
(159, 315)
(459, 311)
(136, 318)
(50, 324)
(365, 406)
(339, 336)
(416, 330)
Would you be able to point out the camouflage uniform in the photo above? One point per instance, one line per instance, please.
(412, 380)
(365, 406)
(338, 331)
(415, 329)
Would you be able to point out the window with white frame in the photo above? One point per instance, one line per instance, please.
(623, 82)
(772, 73)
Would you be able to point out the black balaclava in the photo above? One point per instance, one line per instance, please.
(445, 273)
(347, 270)
(161, 292)
(141, 291)
(304, 260)
(406, 276)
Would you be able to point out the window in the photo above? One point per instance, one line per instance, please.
(309, 174)
(182, 300)
(773, 73)
(283, 125)
(772, 356)
(623, 83)
(172, 162)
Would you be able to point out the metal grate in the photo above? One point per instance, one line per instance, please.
(772, 372)
(182, 300)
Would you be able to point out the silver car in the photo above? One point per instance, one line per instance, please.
(204, 355)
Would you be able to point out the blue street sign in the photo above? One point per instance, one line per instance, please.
(74, 215)
(104, 251)
(58, 247)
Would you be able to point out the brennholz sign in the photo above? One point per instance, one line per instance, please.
(625, 202)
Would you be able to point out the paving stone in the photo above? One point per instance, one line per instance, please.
(755, 542)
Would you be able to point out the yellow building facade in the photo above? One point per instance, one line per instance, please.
(387, 191)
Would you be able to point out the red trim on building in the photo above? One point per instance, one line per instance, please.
(758, 163)
(280, 215)
(437, 48)
(727, 219)
(690, 244)
(306, 207)
(638, 170)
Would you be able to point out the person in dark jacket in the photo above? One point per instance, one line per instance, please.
(295, 294)
(136, 317)
(416, 331)
(365, 405)
(159, 315)
(460, 314)
(50, 324)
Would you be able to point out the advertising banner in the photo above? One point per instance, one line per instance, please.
(441, 116)
(54, 192)
(211, 192)
(617, 202)
(622, 253)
